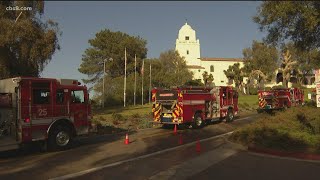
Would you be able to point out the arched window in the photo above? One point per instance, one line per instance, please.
(187, 51)
(211, 68)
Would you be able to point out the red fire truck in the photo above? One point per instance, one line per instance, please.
(52, 111)
(194, 105)
(280, 98)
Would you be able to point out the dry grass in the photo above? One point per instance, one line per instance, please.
(117, 119)
(297, 129)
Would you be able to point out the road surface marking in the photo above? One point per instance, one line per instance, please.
(187, 168)
(77, 174)
(80, 173)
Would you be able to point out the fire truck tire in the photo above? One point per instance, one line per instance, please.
(198, 121)
(167, 126)
(230, 116)
(60, 138)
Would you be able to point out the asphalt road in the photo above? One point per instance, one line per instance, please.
(250, 166)
(146, 157)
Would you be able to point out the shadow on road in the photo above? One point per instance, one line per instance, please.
(98, 150)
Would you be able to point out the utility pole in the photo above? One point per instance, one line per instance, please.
(142, 72)
(150, 86)
(104, 76)
(125, 77)
(135, 79)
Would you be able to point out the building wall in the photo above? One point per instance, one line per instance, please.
(220, 78)
(194, 51)
(197, 73)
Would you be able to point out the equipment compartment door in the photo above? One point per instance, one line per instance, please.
(79, 111)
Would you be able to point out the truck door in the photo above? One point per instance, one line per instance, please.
(61, 103)
(41, 110)
(78, 110)
(41, 103)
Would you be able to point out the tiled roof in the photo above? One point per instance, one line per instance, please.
(195, 67)
(222, 59)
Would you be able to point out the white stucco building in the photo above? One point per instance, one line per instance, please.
(188, 47)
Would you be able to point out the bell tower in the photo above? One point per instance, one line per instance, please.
(188, 45)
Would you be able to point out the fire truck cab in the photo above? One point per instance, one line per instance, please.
(42, 109)
(194, 105)
(280, 98)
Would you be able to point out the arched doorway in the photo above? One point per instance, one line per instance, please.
(279, 77)
(293, 80)
(312, 80)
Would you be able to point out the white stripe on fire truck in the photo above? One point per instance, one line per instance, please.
(46, 120)
(192, 102)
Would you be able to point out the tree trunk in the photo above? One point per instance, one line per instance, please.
(285, 82)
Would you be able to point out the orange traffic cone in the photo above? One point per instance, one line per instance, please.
(180, 139)
(175, 129)
(126, 141)
(198, 146)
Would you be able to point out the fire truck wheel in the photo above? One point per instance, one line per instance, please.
(167, 126)
(60, 138)
(198, 122)
(230, 116)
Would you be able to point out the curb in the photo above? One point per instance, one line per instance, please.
(297, 155)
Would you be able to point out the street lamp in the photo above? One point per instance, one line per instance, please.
(104, 74)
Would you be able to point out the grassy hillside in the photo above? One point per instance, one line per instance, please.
(297, 129)
(117, 119)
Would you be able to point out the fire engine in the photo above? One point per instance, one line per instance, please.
(280, 98)
(52, 111)
(194, 105)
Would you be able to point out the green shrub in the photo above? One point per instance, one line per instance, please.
(278, 87)
(253, 90)
(310, 103)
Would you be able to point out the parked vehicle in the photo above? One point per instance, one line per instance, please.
(52, 111)
(194, 105)
(280, 98)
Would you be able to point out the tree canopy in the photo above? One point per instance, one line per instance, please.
(260, 60)
(307, 60)
(298, 21)
(108, 44)
(27, 43)
(170, 70)
(207, 78)
(235, 73)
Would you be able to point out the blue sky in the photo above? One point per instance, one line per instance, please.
(223, 28)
